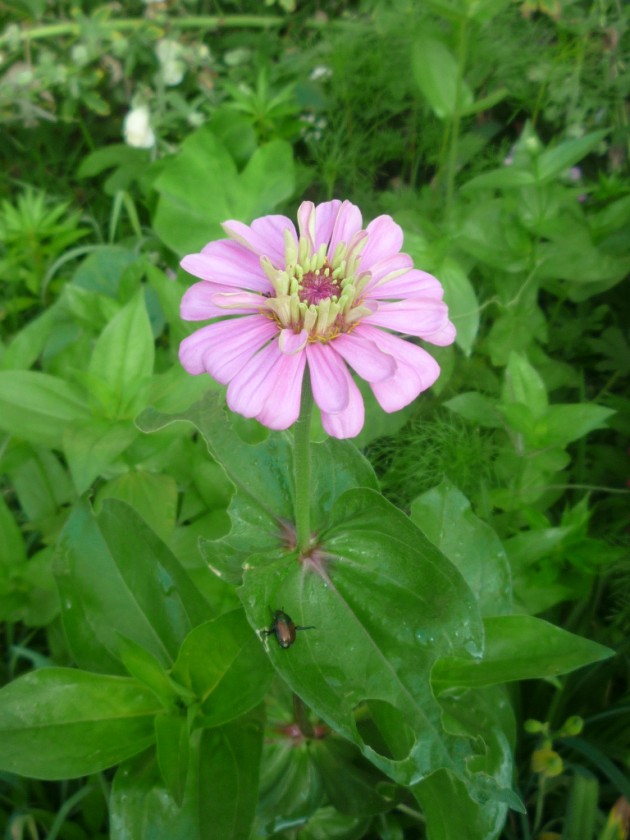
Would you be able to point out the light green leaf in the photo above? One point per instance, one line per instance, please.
(476, 407)
(91, 447)
(519, 647)
(463, 305)
(123, 356)
(563, 424)
(60, 723)
(224, 665)
(556, 161)
(201, 187)
(152, 495)
(444, 515)
(38, 407)
(436, 73)
(524, 385)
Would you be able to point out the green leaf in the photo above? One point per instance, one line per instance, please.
(229, 763)
(505, 178)
(141, 806)
(524, 385)
(519, 647)
(563, 424)
(261, 509)
(445, 801)
(103, 270)
(123, 356)
(153, 496)
(117, 578)
(12, 548)
(144, 667)
(38, 407)
(436, 73)
(444, 515)
(556, 161)
(172, 744)
(582, 811)
(385, 604)
(476, 407)
(220, 793)
(59, 723)
(463, 305)
(201, 187)
(224, 665)
(91, 447)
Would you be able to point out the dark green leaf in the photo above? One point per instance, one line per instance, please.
(172, 742)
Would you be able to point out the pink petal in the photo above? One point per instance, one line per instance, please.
(416, 370)
(199, 304)
(364, 357)
(265, 236)
(222, 349)
(347, 222)
(392, 266)
(385, 239)
(325, 215)
(419, 317)
(248, 391)
(443, 337)
(412, 284)
(291, 342)
(282, 407)
(228, 263)
(349, 422)
(329, 378)
(230, 303)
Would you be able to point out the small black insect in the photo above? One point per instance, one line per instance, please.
(283, 628)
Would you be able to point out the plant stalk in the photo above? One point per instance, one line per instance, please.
(302, 468)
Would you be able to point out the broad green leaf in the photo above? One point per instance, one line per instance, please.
(41, 483)
(351, 785)
(90, 447)
(444, 515)
(385, 604)
(172, 748)
(29, 342)
(476, 407)
(518, 647)
(563, 424)
(524, 385)
(117, 578)
(59, 723)
(152, 495)
(261, 509)
(436, 73)
(123, 356)
(201, 187)
(556, 161)
(220, 793)
(446, 802)
(145, 668)
(505, 178)
(463, 305)
(141, 807)
(37, 407)
(12, 548)
(103, 270)
(224, 665)
(228, 769)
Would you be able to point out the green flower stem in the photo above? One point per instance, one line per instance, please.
(302, 468)
(205, 23)
(454, 129)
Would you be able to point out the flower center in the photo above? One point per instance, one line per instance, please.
(315, 293)
(318, 285)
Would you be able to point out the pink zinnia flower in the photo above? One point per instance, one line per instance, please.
(327, 297)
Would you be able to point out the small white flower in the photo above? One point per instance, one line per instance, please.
(320, 72)
(171, 65)
(137, 128)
